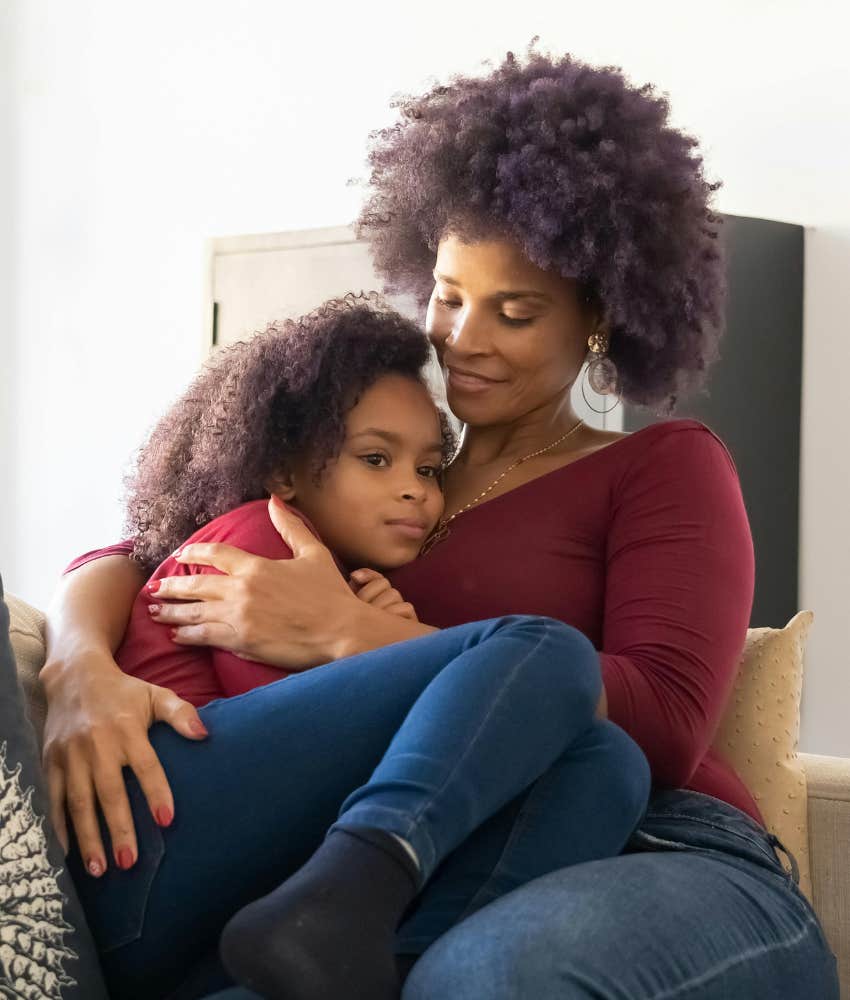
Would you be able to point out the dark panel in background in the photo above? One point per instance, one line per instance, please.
(754, 399)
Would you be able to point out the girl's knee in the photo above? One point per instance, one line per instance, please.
(627, 769)
(570, 662)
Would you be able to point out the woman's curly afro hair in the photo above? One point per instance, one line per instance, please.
(255, 407)
(584, 172)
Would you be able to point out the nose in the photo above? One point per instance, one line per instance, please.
(469, 334)
(412, 488)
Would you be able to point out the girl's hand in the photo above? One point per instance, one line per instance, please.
(375, 589)
(97, 722)
(294, 613)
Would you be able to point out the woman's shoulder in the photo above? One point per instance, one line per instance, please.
(684, 450)
(678, 435)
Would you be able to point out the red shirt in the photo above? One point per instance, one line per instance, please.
(200, 674)
(644, 546)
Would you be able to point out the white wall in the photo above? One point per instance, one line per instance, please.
(130, 133)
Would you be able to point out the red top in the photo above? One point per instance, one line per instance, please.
(199, 673)
(643, 545)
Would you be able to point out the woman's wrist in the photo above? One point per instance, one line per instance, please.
(67, 661)
(362, 627)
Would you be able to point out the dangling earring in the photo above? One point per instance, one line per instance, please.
(601, 372)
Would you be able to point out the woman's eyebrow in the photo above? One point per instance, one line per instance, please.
(513, 294)
(393, 438)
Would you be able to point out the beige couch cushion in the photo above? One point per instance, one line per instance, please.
(26, 630)
(759, 732)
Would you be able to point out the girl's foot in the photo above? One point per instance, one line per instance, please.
(328, 932)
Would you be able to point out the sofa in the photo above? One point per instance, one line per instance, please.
(804, 798)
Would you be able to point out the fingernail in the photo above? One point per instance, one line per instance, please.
(172, 633)
(176, 553)
(154, 609)
(94, 867)
(125, 858)
(153, 586)
(198, 728)
(276, 500)
(164, 816)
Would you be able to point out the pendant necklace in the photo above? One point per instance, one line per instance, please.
(442, 529)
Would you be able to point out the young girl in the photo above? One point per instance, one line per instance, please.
(330, 414)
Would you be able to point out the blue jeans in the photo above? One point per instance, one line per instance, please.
(698, 907)
(435, 739)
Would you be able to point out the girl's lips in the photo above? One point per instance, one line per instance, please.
(412, 529)
(467, 382)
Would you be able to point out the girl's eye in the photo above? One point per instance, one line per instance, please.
(447, 304)
(429, 471)
(374, 459)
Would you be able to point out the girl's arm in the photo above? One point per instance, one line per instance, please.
(97, 716)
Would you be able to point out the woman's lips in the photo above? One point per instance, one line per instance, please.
(409, 528)
(469, 382)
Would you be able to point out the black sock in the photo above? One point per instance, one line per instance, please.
(328, 932)
(403, 964)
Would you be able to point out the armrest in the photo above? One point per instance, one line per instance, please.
(828, 781)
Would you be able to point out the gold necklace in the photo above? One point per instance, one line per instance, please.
(442, 529)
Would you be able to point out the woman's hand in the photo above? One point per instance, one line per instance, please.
(97, 722)
(375, 589)
(292, 613)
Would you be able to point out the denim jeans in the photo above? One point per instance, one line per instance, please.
(435, 739)
(698, 906)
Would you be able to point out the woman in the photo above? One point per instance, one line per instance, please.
(546, 212)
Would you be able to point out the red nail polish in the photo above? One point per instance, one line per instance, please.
(153, 586)
(164, 816)
(125, 858)
(198, 728)
(154, 609)
(94, 867)
(172, 634)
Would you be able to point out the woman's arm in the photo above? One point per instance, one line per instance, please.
(97, 716)
(678, 597)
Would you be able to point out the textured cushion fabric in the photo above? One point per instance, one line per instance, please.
(46, 951)
(828, 780)
(26, 630)
(760, 730)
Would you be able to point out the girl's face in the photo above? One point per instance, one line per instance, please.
(378, 500)
(511, 337)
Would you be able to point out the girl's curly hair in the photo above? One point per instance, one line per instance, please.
(258, 404)
(583, 171)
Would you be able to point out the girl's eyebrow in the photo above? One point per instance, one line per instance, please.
(515, 294)
(393, 438)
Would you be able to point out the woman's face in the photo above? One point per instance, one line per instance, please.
(377, 501)
(511, 337)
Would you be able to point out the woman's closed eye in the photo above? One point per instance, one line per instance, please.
(509, 320)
